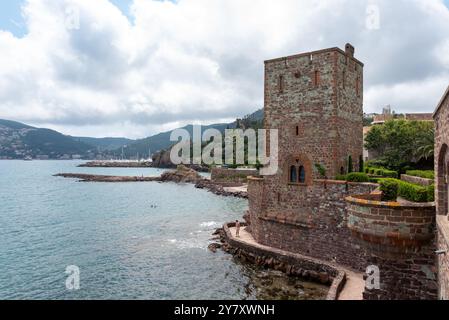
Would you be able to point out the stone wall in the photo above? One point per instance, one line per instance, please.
(418, 117)
(441, 117)
(443, 259)
(310, 220)
(417, 180)
(232, 175)
(400, 241)
(293, 264)
(315, 101)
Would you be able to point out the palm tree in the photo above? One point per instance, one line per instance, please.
(426, 145)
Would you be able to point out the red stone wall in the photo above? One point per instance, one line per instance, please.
(400, 240)
(441, 118)
(322, 121)
(309, 220)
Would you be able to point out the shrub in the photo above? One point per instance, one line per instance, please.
(389, 188)
(340, 177)
(374, 180)
(357, 177)
(350, 167)
(361, 164)
(412, 192)
(390, 174)
(382, 172)
(321, 170)
(431, 193)
(427, 174)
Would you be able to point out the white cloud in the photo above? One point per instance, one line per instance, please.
(202, 60)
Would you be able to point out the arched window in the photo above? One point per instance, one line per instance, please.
(302, 175)
(293, 174)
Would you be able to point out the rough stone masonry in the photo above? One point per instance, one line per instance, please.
(441, 117)
(315, 100)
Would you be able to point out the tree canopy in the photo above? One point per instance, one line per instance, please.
(399, 142)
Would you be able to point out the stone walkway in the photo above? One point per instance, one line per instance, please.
(243, 188)
(353, 288)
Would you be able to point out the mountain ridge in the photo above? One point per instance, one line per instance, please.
(20, 141)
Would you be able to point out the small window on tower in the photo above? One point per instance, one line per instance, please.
(344, 79)
(316, 78)
(357, 86)
(297, 130)
(281, 84)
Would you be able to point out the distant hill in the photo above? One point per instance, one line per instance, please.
(161, 141)
(105, 144)
(18, 141)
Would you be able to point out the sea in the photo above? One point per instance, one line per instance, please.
(142, 240)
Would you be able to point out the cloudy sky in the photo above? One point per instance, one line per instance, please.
(136, 67)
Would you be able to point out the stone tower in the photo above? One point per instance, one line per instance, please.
(315, 99)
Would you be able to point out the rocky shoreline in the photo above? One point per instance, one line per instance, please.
(181, 175)
(219, 189)
(116, 164)
(103, 178)
(304, 268)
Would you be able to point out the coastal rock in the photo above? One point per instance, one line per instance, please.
(116, 164)
(161, 159)
(214, 247)
(219, 189)
(181, 175)
(102, 178)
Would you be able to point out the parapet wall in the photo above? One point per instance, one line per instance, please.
(399, 239)
(232, 175)
(417, 180)
(310, 220)
(288, 262)
(324, 221)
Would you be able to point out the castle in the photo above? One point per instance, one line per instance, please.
(315, 100)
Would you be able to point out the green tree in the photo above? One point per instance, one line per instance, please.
(400, 142)
(425, 144)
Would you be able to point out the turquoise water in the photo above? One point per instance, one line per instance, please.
(130, 240)
(123, 247)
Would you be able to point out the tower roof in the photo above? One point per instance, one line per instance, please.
(314, 52)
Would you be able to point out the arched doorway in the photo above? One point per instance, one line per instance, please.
(442, 181)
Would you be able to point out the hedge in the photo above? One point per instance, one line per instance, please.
(382, 172)
(357, 177)
(412, 192)
(426, 174)
(353, 177)
(390, 189)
